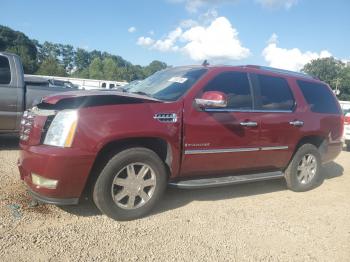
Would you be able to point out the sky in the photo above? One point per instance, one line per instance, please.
(280, 33)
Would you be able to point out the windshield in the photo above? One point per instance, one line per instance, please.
(169, 84)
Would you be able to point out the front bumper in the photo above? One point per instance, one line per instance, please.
(70, 166)
(52, 200)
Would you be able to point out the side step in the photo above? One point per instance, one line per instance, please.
(224, 181)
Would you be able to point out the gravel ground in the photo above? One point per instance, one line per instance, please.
(250, 222)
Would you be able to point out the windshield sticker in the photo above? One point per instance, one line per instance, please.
(178, 79)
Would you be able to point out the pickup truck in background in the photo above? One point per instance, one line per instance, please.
(18, 93)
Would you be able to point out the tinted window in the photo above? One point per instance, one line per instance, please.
(5, 72)
(274, 94)
(319, 97)
(103, 85)
(236, 86)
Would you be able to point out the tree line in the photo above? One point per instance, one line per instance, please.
(65, 60)
(332, 71)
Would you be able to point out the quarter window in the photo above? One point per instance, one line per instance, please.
(236, 87)
(319, 97)
(274, 94)
(5, 72)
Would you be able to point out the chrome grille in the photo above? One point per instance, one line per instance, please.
(26, 125)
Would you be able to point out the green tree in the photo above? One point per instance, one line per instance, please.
(326, 69)
(50, 58)
(67, 54)
(344, 84)
(49, 50)
(81, 59)
(332, 71)
(51, 67)
(153, 67)
(96, 69)
(110, 69)
(18, 43)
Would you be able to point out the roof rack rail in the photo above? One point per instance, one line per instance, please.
(281, 71)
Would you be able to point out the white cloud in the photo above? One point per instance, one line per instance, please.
(216, 42)
(188, 23)
(151, 32)
(290, 59)
(131, 29)
(276, 4)
(145, 41)
(219, 41)
(168, 44)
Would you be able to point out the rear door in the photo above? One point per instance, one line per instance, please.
(8, 96)
(280, 121)
(215, 140)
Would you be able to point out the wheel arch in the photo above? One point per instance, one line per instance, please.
(319, 141)
(159, 145)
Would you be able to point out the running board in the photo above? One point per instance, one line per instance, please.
(224, 181)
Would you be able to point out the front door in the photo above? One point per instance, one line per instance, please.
(218, 141)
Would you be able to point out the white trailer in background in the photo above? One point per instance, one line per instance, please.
(85, 83)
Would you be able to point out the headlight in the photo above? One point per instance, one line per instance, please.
(62, 129)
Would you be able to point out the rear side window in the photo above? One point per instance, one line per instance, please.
(274, 94)
(319, 97)
(236, 87)
(5, 72)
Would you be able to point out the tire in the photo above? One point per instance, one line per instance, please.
(122, 175)
(299, 178)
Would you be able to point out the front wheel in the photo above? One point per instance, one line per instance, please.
(303, 172)
(130, 184)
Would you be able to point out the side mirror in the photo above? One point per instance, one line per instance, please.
(212, 99)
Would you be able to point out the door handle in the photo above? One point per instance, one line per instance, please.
(296, 123)
(249, 123)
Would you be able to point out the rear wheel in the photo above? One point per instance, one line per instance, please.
(303, 172)
(130, 184)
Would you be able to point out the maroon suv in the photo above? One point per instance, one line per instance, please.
(188, 127)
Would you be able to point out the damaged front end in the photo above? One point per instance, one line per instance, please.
(53, 121)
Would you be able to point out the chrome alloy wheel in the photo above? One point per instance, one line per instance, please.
(133, 186)
(307, 168)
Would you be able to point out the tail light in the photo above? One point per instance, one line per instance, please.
(347, 120)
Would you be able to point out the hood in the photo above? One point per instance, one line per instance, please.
(80, 99)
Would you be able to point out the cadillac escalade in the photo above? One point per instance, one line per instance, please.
(187, 127)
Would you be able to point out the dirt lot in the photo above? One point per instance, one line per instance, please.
(251, 222)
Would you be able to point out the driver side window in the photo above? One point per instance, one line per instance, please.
(236, 87)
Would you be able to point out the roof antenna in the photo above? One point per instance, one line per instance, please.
(205, 63)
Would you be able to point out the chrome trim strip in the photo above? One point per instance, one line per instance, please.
(246, 110)
(218, 151)
(266, 148)
(233, 150)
